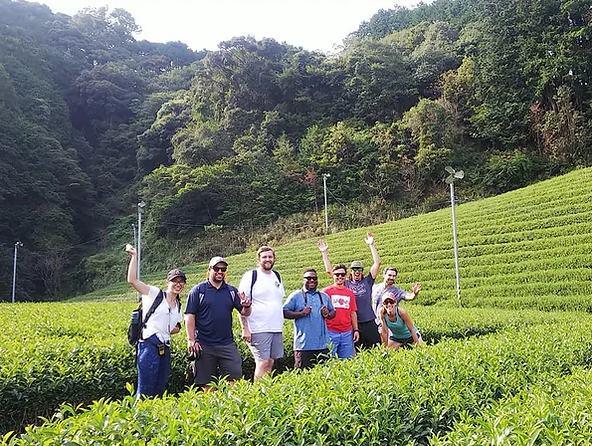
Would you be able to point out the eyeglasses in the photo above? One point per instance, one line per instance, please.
(388, 302)
(357, 269)
(339, 274)
(219, 268)
(311, 278)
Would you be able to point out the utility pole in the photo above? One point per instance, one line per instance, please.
(141, 206)
(17, 245)
(454, 175)
(325, 176)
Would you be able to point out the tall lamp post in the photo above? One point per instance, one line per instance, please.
(17, 245)
(141, 206)
(325, 176)
(454, 175)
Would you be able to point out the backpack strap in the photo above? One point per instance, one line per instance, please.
(277, 275)
(254, 279)
(157, 301)
(305, 297)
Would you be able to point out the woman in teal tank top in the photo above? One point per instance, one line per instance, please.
(398, 322)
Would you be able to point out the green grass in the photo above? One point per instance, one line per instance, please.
(516, 247)
(526, 270)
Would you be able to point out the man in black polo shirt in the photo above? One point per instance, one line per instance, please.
(208, 321)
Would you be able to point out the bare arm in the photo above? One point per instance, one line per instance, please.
(289, 314)
(132, 272)
(383, 328)
(375, 257)
(244, 322)
(409, 324)
(192, 345)
(354, 321)
(416, 288)
(323, 247)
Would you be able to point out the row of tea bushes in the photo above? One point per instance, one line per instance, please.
(380, 397)
(555, 413)
(75, 353)
(526, 243)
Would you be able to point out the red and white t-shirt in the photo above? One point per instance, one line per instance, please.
(344, 302)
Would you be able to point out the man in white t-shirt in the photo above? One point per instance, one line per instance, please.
(262, 330)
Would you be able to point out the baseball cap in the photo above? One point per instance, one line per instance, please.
(388, 299)
(356, 264)
(215, 260)
(174, 273)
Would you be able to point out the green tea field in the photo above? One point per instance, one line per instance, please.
(510, 365)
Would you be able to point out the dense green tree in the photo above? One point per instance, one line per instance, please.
(91, 120)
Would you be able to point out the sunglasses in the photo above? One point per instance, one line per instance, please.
(339, 274)
(311, 278)
(219, 268)
(357, 269)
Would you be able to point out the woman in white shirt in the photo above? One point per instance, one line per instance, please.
(154, 348)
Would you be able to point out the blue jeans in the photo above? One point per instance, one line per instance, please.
(153, 369)
(343, 344)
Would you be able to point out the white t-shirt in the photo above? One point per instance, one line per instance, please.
(164, 318)
(267, 314)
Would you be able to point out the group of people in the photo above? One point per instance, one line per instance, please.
(351, 313)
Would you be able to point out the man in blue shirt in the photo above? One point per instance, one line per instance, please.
(208, 322)
(309, 308)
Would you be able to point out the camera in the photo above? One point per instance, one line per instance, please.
(194, 356)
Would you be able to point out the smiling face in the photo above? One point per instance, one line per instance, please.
(266, 260)
(339, 276)
(389, 304)
(310, 280)
(217, 272)
(357, 273)
(390, 276)
(176, 285)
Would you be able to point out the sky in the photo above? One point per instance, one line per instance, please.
(311, 24)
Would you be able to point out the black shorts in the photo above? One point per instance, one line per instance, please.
(306, 359)
(218, 361)
(369, 335)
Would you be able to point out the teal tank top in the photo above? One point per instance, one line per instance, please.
(398, 328)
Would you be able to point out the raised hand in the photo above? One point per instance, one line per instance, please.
(369, 238)
(130, 249)
(322, 246)
(244, 300)
(416, 288)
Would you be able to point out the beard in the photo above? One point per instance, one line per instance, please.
(268, 266)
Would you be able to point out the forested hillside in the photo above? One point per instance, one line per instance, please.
(93, 120)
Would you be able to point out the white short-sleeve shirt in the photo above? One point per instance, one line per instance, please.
(267, 314)
(164, 318)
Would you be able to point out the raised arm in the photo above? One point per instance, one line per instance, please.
(323, 247)
(132, 271)
(415, 289)
(375, 257)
